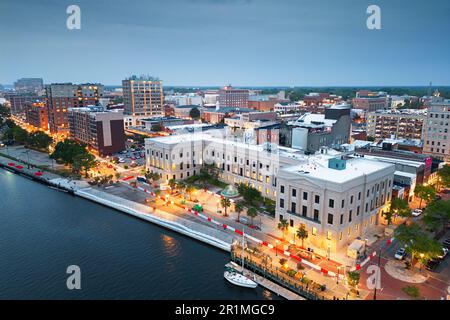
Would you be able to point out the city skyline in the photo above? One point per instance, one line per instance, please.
(214, 43)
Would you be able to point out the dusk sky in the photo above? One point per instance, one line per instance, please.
(217, 42)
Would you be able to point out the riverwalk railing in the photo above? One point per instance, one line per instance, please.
(305, 290)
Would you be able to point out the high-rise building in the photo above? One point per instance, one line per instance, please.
(19, 101)
(230, 97)
(102, 130)
(143, 96)
(30, 85)
(37, 115)
(436, 141)
(61, 96)
(400, 124)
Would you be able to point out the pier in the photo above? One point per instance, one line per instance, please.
(266, 283)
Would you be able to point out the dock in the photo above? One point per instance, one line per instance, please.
(266, 283)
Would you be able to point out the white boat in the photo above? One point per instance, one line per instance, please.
(238, 279)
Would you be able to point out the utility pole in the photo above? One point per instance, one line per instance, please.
(378, 275)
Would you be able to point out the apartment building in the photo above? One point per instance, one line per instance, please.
(143, 96)
(399, 124)
(337, 199)
(29, 85)
(36, 115)
(102, 130)
(436, 132)
(62, 96)
(230, 97)
(18, 102)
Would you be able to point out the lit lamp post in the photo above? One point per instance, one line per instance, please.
(421, 260)
(276, 248)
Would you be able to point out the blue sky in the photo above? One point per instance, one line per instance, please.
(216, 42)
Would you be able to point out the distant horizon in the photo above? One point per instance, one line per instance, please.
(257, 86)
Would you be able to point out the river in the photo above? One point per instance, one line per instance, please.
(43, 231)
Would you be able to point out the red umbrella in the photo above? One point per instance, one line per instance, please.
(38, 174)
(19, 167)
(11, 164)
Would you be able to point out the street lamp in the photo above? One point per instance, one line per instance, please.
(276, 248)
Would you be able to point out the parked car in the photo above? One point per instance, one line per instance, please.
(416, 212)
(444, 253)
(432, 264)
(400, 254)
(446, 243)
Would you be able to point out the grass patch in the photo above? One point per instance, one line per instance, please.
(412, 291)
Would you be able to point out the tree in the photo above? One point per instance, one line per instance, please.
(252, 213)
(426, 193)
(225, 203)
(40, 140)
(444, 176)
(283, 226)
(251, 195)
(74, 154)
(172, 185)
(20, 135)
(417, 243)
(117, 175)
(83, 161)
(283, 262)
(194, 113)
(302, 233)
(189, 189)
(400, 207)
(239, 207)
(437, 214)
(353, 279)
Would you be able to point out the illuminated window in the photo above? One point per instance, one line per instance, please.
(340, 235)
(329, 235)
(349, 231)
(314, 231)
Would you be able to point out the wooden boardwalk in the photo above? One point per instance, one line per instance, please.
(269, 285)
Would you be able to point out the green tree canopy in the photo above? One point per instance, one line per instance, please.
(40, 140)
(252, 213)
(426, 193)
(437, 214)
(194, 113)
(444, 176)
(417, 242)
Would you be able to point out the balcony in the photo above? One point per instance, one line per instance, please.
(304, 217)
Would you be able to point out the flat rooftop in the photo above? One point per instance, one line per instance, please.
(317, 168)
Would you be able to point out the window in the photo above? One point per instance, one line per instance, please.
(314, 231)
(357, 210)
(291, 222)
(331, 203)
(294, 192)
(359, 195)
(281, 203)
(316, 215)
(316, 199)
(330, 218)
(340, 235)
(351, 199)
(343, 203)
(342, 219)
(304, 210)
(281, 188)
(350, 216)
(329, 235)
(305, 195)
(293, 208)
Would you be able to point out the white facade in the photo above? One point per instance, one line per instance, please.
(335, 205)
(436, 141)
